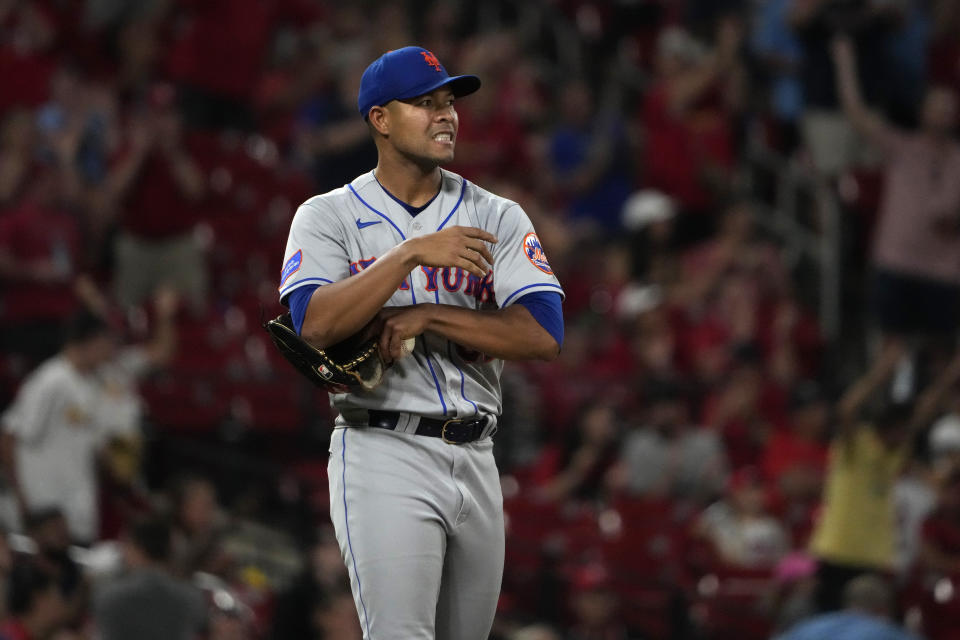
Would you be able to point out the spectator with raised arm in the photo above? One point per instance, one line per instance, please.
(856, 532)
(916, 252)
(155, 185)
(51, 439)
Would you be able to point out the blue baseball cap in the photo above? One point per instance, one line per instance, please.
(407, 73)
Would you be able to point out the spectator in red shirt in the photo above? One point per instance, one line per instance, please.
(17, 163)
(795, 458)
(736, 409)
(27, 58)
(794, 461)
(219, 53)
(155, 185)
(940, 553)
(40, 255)
(576, 469)
(688, 151)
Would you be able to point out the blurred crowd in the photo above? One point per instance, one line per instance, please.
(705, 459)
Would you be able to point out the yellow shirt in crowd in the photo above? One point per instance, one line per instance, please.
(857, 525)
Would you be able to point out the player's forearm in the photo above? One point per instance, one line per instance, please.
(340, 309)
(508, 334)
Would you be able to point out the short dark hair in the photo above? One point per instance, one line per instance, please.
(153, 536)
(25, 582)
(84, 325)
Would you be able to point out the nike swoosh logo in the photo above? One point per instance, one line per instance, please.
(362, 225)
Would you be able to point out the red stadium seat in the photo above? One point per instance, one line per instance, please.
(729, 603)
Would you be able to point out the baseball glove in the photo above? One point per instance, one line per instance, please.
(346, 367)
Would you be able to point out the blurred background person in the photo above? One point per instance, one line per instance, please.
(148, 602)
(50, 436)
(155, 186)
(867, 613)
(856, 531)
(34, 604)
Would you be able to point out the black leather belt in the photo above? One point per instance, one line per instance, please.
(452, 431)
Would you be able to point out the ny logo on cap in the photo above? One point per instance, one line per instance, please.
(431, 59)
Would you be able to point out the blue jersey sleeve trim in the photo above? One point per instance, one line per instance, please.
(545, 307)
(298, 302)
(530, 286)
(463, 189)
(299, 283)
(379, 213)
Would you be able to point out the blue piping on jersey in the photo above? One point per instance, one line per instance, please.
(476, 410)
(435, 380)
(382, 215)
(463, 189)
(346, 522)
(529, 286)
(296, 284)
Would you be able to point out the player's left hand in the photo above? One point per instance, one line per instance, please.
(400, 323)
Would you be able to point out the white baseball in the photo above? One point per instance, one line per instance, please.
(408, 345)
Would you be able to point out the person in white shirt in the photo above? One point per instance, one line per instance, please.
(50, 434)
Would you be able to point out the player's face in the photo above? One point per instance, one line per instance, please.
(425, 128)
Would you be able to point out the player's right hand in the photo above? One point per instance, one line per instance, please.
(463, 247)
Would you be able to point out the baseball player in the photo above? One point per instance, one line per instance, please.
(454, 280)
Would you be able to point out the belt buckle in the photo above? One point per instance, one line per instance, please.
(443, 430)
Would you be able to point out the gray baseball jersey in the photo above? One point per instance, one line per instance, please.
(419, 522)
(339, 233)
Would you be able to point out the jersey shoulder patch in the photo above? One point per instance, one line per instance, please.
(291, 267)
(535, 254)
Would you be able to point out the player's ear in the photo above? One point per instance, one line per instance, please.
(379, 119)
